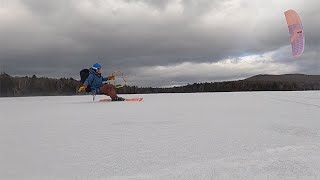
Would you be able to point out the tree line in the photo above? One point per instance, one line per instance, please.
(34, 86)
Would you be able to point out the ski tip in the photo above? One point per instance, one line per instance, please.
(134, 99)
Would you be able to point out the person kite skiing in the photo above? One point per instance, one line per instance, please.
(93, 82)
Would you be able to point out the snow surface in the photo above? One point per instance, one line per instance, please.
(260, 135)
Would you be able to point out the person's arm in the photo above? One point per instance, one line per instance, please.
(108, 78)
(105, 79)
(82, 88)
(88, 81)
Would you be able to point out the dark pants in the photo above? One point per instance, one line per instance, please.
(108, 89)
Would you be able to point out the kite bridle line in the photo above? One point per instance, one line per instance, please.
(119, 73)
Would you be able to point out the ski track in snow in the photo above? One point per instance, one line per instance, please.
(245, 135)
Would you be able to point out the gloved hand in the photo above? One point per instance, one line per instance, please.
(82, 88)
(111, 77)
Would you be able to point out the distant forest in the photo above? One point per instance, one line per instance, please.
(35, 86)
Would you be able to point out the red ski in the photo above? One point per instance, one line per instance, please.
(128, 99)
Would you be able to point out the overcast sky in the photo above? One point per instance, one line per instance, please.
(156, 42)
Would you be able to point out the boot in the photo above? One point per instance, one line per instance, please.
(118, 99)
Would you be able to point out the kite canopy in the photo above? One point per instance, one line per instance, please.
(296, 32)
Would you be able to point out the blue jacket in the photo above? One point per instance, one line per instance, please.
(94, 80)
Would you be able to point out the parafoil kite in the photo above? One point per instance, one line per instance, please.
(296, 32)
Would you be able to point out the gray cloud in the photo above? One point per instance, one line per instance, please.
(58, 38)
(159, 5)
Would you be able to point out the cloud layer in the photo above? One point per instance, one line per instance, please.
(157, 43)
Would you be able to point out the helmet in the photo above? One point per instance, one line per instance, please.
(96, 66)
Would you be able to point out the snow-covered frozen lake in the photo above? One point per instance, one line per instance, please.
(247, 135)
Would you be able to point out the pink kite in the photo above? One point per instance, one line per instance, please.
(296, 32)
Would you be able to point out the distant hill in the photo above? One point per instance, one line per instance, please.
(298, 78)
(286, 82)
(34, 86)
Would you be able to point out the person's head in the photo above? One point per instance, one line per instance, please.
(97, 67)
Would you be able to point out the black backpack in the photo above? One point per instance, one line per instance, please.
(84, 73)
